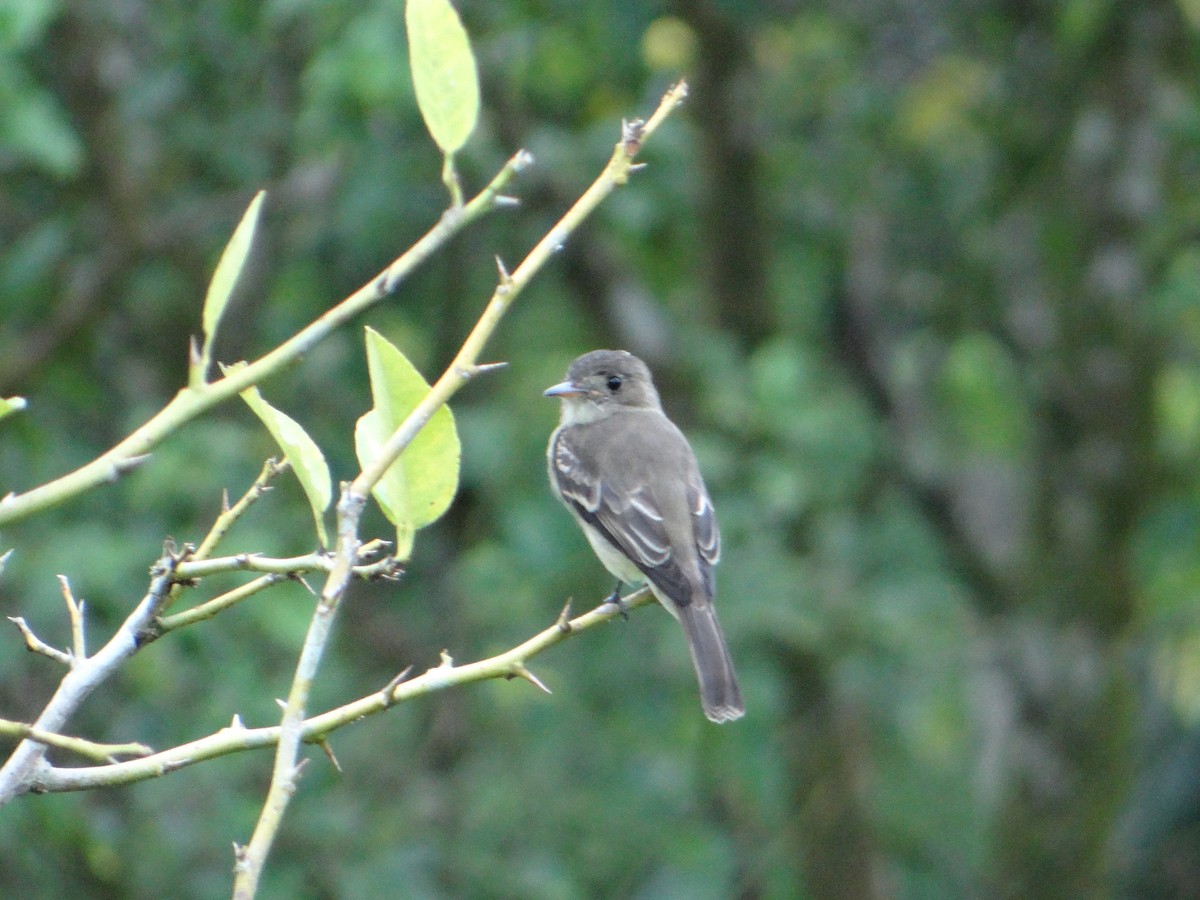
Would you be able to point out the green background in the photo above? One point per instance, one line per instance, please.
(920, 280)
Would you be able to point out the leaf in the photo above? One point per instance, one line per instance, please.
(11, 405)
(418, 488)
(391, 492)
(302, 453)
(443, 70)
(225, 277)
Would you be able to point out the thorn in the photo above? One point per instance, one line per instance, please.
(447, 662)
(281, 703)
(308, 587)
(505, 278)
(225, 500)
(5, 557)
(397, 680)
(506, 201)
(121, 466)
(522, 160)
(520, 671)
(236, 723)
(372, 547)
(194, 358)
(484, 368)
(564, 618)
(636, 167)
(631, 135)
(323, 743)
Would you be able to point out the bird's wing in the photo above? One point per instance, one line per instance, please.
(626, 513)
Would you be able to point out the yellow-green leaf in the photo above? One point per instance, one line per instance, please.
(229, 267)
(11, 405)
(420, 485)
(391, 493)
(302, 452)
(443, 70)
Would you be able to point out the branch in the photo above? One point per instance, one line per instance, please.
(278, 571)
(90, 749)
(230, 514)
(196, 399)
(236, 737)
(294, 565)
(251, 858)
(85, 673)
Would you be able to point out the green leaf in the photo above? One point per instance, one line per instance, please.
(418, 488)
(302, 452)
(11, 405)
(391, 493)
(443, 70)
(229, 267)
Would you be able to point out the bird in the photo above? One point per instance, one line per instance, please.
(631, 481)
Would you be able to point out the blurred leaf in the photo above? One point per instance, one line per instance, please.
(669, 45)
(301, 451)
(1177, 667)
(939, 108)
(1175, 302)
(24, 21)
(11, 405)
(443, 69)
(982, 390)
(33, 127)
(1177, 404)
(225, 278)
(420, 485)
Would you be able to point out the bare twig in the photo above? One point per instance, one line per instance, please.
(205, 611)
(36, 645)
(230, 514)
(236, 737)
(75, 612)
(19, 772)
(90, 749)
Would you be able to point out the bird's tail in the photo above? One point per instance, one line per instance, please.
(719, 692)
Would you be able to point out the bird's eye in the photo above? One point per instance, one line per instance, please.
(614, 383)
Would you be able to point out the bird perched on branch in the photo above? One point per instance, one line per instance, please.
(630, 479)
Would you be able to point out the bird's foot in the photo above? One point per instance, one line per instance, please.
(615, 599)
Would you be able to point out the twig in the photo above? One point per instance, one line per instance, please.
(230, 514)
(251, 858)
(205, 611)
(236, 737)
(294, 565)
(18, 773)
(226, 519)
(75, 611)
(278, 571)
(90, 749)
(36, 645)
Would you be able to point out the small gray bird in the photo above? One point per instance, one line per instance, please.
(630, 479)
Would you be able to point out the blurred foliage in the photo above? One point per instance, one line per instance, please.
(920, 280)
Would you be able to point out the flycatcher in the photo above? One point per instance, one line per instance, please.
(630, 479)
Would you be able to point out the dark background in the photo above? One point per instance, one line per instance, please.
(921, 281)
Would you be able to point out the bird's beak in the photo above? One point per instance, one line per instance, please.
(565, 389)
